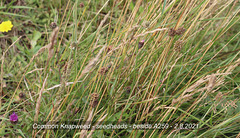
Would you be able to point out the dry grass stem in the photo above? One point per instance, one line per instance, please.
(39, 100)
(92, 62)
(2, 58)
(83, 133)
(98, 122)
(150, 32)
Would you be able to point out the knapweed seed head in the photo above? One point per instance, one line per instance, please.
(180, 31)
(146, 24)
(81, 5)
(178, 45)
(53, 25)
(13, 117)
(94, 100)
(128, 89)
(171, 32)
(103, 70)
(140, 44)
(22, 95)
(6, 26)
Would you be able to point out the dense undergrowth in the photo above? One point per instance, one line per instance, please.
(174, 63)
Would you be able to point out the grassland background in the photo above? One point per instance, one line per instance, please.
(121, 61)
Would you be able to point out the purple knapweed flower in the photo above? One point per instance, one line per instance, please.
(13, 117)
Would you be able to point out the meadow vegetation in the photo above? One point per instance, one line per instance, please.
(106, 62)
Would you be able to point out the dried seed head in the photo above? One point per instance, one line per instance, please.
(81, 5)
(180, 31)
(94, 103)
(94, 100)
(178, 45)
(103, 70)
(21, 95)
(53, 25)
(94, 95)
(140, 44)
(146, 24)
(128, 89)
(171, 32)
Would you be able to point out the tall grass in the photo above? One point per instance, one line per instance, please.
(164, 62)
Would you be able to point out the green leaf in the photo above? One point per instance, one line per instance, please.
(20, 131)
(35, 37)
(35, 50)
(13, 14)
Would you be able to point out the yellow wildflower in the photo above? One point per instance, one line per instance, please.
(6, 26)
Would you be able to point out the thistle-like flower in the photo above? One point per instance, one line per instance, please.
(14, 117)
